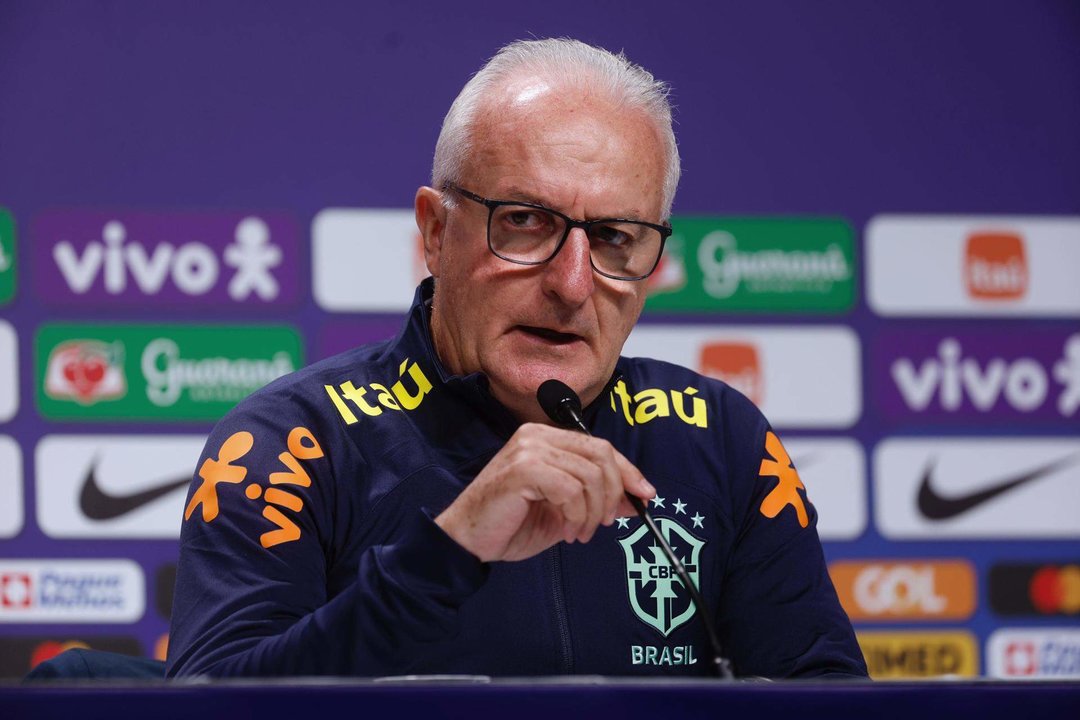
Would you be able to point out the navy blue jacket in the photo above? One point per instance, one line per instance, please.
(308, 545)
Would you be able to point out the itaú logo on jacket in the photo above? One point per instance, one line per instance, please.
(651, 403)
(375, 398)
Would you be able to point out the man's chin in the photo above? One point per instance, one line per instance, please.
(519, 393)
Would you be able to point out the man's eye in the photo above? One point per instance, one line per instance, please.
(527, 219)
(611, 235)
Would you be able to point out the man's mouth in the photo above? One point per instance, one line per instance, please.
(552, 336)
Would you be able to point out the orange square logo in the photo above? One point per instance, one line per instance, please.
(995, 266)
(737, 364)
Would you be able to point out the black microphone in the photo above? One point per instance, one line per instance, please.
(560, 403)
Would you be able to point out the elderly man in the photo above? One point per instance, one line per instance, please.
(407, 507)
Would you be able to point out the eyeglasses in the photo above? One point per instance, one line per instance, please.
(529, 234)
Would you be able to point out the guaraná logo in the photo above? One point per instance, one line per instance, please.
(86, 371)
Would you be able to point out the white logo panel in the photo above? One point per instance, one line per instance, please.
(11, 488)
(985, 488)
(9, 372)
(114, 486)
(799, 377)
(366, 260)
(1027, 654)
(71, 591)
(834, 473)
(958, 265)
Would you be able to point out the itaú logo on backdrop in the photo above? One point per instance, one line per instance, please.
(738, 364)
(995, 266)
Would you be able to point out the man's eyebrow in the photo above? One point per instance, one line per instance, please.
(519, 195)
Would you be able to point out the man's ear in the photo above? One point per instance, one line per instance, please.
(431, 221)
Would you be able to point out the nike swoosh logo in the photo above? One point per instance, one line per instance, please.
(97, 504)
(936, 507)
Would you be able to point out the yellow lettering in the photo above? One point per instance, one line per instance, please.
(699, 416)
(356, 396)
(384, 397)
(624, 398)
(423, 386)
(342, 408)
(650, 403)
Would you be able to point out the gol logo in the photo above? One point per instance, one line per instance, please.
(919, 655)
(879, 591)
(737, 364)
(996, 266)
(86, 371)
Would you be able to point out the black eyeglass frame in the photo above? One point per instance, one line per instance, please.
(664, 230)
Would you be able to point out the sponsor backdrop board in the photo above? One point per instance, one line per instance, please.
(9, 371)
(11, 487)
(8, 271)
(157, 372)
(724, 265)
(906, 313)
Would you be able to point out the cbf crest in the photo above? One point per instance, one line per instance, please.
(657, 595)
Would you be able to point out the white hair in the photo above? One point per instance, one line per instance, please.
(571, 62)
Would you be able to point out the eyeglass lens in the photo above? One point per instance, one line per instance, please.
(530, 235)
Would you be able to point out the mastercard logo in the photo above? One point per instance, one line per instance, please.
(1028, 589)
(995, 266)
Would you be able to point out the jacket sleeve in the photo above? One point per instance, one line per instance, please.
(779, 616)
(257, 540)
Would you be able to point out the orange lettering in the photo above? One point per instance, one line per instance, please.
(786, 491)
(297, 476)
(217, 471)
(309, 450)
(287, 530)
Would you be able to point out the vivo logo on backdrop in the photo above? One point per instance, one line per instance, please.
(991, 377)
(168, 258)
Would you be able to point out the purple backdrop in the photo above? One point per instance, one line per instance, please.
(208, 113)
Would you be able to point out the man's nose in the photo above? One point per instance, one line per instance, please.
(569, 275)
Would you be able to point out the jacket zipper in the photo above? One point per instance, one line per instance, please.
(562, 621)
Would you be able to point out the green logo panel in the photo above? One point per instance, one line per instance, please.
(782, 265)
(157, 372)
(7, 257)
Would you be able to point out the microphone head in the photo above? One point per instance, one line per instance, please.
(559, 402)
